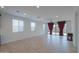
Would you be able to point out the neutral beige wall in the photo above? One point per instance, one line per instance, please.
(6, 29)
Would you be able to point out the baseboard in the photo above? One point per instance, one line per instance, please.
(22, 38)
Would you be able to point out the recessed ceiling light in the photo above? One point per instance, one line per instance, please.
(24, 13)
(56, 16)
(2, 6)
(37, 6)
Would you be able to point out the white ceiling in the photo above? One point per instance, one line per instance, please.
(44, 13)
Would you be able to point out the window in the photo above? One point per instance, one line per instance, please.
(17, 25)
(32, 26)
(21, 26)
(55, 29)
(43, 26)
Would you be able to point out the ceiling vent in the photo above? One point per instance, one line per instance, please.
(17, 11)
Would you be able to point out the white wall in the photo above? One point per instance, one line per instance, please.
(78, 32)
(68, 27)
(73, 31)
(77, 28)
(0, 29)
(6, 29)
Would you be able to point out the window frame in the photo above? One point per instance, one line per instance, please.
(18, 26)
(33, 26)
(43, 27)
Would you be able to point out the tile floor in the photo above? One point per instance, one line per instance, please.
(40, 44)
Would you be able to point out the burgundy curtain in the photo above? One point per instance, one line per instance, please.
(50, 26)
(61, 27)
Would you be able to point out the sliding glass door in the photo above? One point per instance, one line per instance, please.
(56, 30)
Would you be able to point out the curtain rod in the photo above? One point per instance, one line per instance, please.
(59, 21)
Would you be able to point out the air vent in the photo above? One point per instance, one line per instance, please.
(17, 11)
(38, 17)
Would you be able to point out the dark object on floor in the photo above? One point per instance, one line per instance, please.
(69, 36)
(0, 14)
